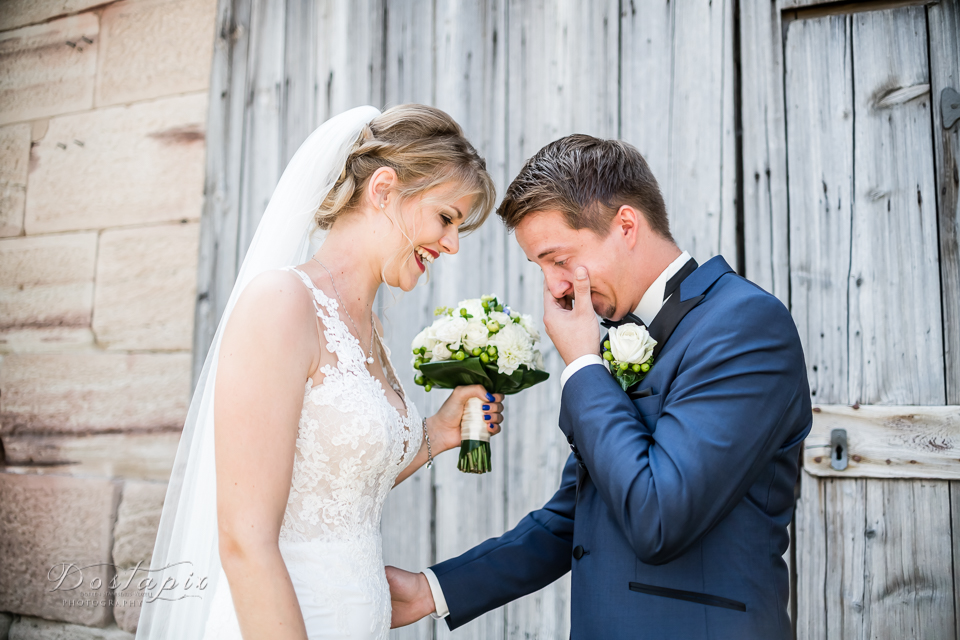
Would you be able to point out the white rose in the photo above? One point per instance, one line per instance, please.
(475, 335)
(424, 339)
(501, 317)
(527, 323)
(514, 348)
(538, 361)
(449, 330)
(440, 352)
(631, 343)
(473, 307)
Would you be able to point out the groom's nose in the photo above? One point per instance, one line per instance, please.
(559, 287)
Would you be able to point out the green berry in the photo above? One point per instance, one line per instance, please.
(607, 356)
(427, 387)
(484, 358)
(645, 367)
(476, 351)
(492, 351)
(463, 312)
(635, 368)
(606, 345)
(624, 365)
(420, 380)
(460, 355)
(485, 305)
(417, 363)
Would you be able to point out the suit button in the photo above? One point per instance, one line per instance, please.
(577, 552)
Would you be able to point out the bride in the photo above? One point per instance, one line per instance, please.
(299, 426)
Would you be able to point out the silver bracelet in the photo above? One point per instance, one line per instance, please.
(429, 448)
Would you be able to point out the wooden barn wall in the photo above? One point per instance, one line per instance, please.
(769, 148)
(851, 217)
(515, 74)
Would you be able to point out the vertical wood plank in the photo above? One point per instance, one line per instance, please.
(218, 260)
(676, 107)
(562, 79)
(350, 49)
(299, 99)
(943, 22)
(471, 81)
(764, 148)
(844, 597)
(811, 555)
(408, 523)
(262, 161)
(819, 98)
(894, 245)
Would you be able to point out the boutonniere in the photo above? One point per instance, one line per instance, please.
(629, 352)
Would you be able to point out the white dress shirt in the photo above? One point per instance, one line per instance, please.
(647, 310)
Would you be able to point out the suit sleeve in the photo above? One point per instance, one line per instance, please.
(523, 560)
(739, 395)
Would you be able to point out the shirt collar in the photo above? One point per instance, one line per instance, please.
(652, 299)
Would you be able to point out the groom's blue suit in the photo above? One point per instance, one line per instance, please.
(673, 508)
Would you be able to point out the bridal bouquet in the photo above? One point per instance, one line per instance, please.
(480, 341)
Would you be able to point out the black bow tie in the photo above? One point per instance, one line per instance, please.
(624, 320)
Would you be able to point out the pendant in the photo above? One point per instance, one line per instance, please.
(370, 360)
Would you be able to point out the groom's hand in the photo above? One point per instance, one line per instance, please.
(574, 331)
(410, 596)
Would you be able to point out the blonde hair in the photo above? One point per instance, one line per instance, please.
(426, 148)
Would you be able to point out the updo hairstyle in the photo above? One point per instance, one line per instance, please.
(426, 148)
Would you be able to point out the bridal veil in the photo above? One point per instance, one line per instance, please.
(186, 554)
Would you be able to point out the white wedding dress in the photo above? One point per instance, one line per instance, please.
(352, 443)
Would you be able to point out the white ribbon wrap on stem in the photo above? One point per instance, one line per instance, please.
(472, 426)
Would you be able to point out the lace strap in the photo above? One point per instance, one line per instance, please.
(338, 337)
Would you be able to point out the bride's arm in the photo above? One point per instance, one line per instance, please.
(443, 427)
(265, 357)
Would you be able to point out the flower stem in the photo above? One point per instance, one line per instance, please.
(474, 457)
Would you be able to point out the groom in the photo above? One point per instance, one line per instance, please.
(673, 508)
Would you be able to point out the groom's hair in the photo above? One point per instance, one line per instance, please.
(587, 179)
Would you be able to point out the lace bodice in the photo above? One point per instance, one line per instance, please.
(351, 444)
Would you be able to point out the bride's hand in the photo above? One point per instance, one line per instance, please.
(444, 426)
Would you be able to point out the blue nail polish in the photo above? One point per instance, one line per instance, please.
(486, 417)
(490, 397)
(491, 427)
(486, 407)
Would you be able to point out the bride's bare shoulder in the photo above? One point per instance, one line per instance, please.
(278, 299)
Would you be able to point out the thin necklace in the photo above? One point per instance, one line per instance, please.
(334, 284)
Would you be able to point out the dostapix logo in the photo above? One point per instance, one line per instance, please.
(173, 582)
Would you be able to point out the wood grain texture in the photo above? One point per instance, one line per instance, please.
(863, 251)
(349, 76)
(819, 98)
(408, 522)
(471, 80)
(677, 108)
(887, 442)
(811, 559)
(943, 22)
(764, 144)
(894, 228)
(218, 259)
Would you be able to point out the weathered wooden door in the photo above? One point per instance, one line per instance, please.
(873, 287)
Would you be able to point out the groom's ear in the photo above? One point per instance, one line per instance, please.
(626, 223)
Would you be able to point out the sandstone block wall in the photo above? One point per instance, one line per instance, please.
(103, 110)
